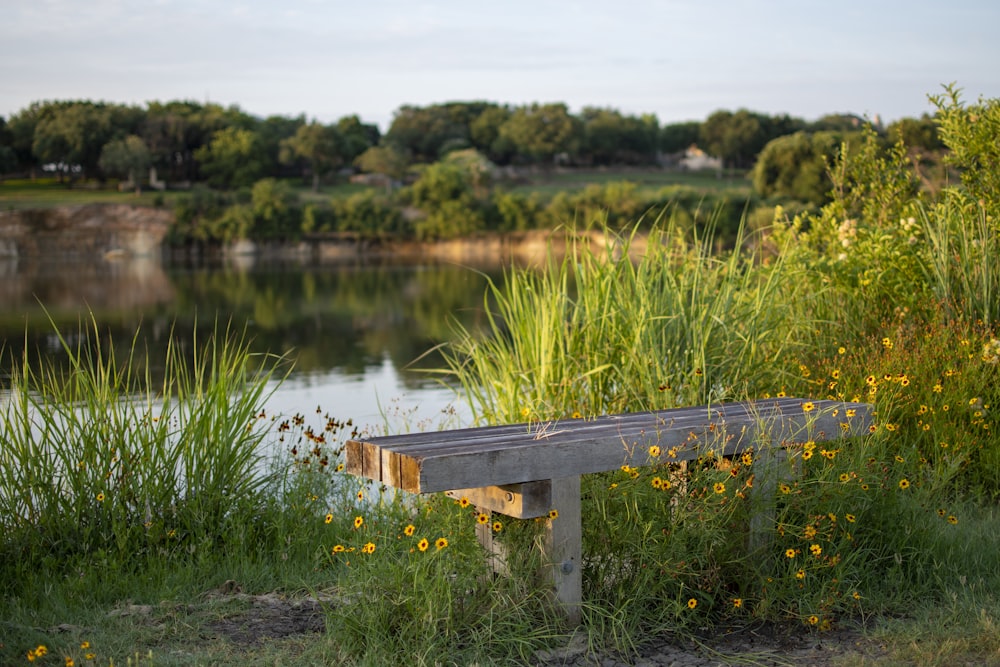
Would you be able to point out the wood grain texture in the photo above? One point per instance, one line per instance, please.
(517, 453)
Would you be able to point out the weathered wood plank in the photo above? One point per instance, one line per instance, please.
(495, 456)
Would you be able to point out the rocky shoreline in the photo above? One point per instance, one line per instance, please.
(95, 232)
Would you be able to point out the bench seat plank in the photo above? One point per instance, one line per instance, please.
(510, 454)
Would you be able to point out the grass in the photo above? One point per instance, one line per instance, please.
(47, 193)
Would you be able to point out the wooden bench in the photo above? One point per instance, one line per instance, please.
(525, 470)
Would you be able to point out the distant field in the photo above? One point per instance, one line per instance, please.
(648, 180)
(47, 192)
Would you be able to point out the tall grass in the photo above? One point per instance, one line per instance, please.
(98, 459)
(599, 333)
(963, 259)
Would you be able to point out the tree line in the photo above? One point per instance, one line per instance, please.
(442, 164)
(227, 148)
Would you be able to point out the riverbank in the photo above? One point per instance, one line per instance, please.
(92, 232)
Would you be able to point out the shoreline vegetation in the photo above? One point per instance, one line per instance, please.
(147, 529)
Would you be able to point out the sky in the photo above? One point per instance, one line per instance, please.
(678, 59)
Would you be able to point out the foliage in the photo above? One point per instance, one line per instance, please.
(126, 157)
(794, 167)
(970, 133)
(612, 138)
(322, 147)
(233, 158)
(367, 213)
(541, 131)
(98, 460)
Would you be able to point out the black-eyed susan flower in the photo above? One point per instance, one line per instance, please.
(553, 513)
(328, 518)
(790, 553)
(719, 487)
(369, 548)
(423, 544)
(440, 543)
(654, 451)
(813, 620)
(409, 530)
(482, 518)
(497, 526)
(84, 645)
(815, 549)
(463, 502)
(850, 517)
(784, 488)
(800, 574)
(952, 519)
(338, 549)
(904, 484)
(808, 406)
(737, 603)
(692, 603)
(807, 454)
(358, 522)
(100, 497)
(656, 483)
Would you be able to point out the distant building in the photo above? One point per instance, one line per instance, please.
(695, 159)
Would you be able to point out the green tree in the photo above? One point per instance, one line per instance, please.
(128, 157)
(233, 158)
(795, 167)
(424, 131)
(920, 133)
(677, 137)
(444, 194)
(478, 169)
(736, 138)
(386, 160)
(484, 134)
(275, 209)
(357, 137)
(70, 137)
(542, 131)
(319, 146)
(273, 132)
(609, 137)
(8, 157)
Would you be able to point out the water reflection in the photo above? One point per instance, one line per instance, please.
(352, 329)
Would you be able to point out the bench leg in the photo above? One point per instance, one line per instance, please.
(770, 468)
(495, 549)
(562, 547)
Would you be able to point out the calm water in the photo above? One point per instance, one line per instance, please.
(353, 330)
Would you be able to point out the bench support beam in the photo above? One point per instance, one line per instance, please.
(562, 548)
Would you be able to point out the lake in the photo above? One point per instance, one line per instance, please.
(359, 333)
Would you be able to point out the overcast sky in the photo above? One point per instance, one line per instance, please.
(678, 59)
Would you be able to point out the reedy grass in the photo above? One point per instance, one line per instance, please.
(598, 333)
(98, 460)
